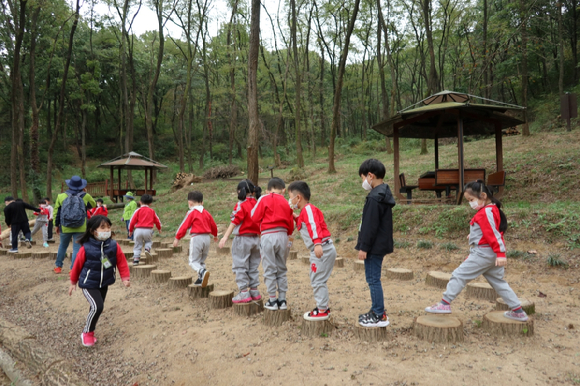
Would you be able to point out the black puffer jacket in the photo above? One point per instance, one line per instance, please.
(15, 212)
(375, 235)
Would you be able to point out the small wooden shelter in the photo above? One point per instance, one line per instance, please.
(449, 114)
(131, 161)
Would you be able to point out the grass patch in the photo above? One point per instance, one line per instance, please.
(424, 244)
(555, 261)
(449, 247)
(401, 244)
(515, 254)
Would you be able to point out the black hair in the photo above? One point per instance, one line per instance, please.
(476, 188)
(43, 201)
(9, 198)
(100, 200)
(47, 199)
(372, 166)
(245, 187)
(146, 199)
(92, 225)
(276, 183)
(195, 196)
(300, 187)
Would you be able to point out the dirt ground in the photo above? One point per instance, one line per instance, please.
(150, 335)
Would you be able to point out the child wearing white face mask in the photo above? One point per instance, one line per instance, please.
(487, 255)
(95, 269)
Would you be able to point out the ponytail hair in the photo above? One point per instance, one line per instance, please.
(246, 187)
(257, 192)
(476, 188)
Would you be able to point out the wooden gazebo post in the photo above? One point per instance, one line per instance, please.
(145, 180)
(396, 162)
(460, 159)
(119, 175)
(112, 195)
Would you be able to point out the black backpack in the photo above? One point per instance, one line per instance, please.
(73, 212)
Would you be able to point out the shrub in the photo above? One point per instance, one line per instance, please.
(515, 254)
(449, 246)
(401, 244)
(555, 261)
(424, 244)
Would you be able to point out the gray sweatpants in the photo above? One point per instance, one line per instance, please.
(481, 261)
(273, 247)
(143, 238)
(198, 250)
(40, 225)
(320, 270)
(245, 261)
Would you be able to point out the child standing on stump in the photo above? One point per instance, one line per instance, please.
(246, 244)
(276, 222)
(141, 228)
(201, 225)
(375, 237)
(316, 237)
(487, 254)
(95, 270)
(41, 223)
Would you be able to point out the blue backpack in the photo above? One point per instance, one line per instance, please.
(73, 212)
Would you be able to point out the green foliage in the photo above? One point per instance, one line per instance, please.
(515, 254)
(424, 244)
(449, 247)
(555, 261)
(401, 244)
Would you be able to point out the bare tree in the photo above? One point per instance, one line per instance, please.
(298, 87)
(254, 119)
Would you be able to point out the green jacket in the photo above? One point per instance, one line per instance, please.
(88, 199)
(130, 208)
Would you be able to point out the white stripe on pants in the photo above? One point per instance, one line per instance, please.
(142, 238)
(40, 225)
(245, 261)
(198, 250)
(320, 270)
(274, 248)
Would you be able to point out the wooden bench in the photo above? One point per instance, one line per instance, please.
(496, 180)
(449, 178)
(408, 189)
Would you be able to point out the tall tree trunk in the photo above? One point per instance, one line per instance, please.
(560, 50)
(253, 118)
(394, 83)
(232, 62)
(487, 87)
(432, 81)
(381, 64)
(298, 87)
(524, 16)
(321, 118)
(338, 93)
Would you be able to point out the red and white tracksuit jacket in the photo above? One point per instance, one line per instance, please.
(199, 221)
(272, 211)
(144, 217)
(312, 226)
(484, 231)
(242, 218)
(99, 210)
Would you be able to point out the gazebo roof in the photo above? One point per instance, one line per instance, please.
(437, 117)
(132, 161)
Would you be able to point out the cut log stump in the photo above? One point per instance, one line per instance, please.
(223, 251)
(143, 260)
(438, 328)
(359, 265)
(160, 276)
(179, 282)
(51, 241)
(399, 274)
(154, 257)
(481, 291)
(156, 244)
(248, 309)
(321, 328)
(40, 255)
(305, 259)
(164, 252)
(293, 255)
(177, 249)
(22, 255)
(129, 255)
(3, 251)
(370, 334)
(276, 318)
(196, 291)
(437, 279)
(142, 271)
(527, 305)
(339, 262)
(23, 243)
(497, 324)
(220, 299)
(166, 245)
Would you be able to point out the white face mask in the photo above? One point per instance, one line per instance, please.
(292, 206)
(475, 205)
(366, 185)
(103, 236)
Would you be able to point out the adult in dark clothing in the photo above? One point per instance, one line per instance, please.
(16, 218)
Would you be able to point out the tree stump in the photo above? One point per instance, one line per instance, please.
(3, 251)
(481, 291)
(223, 251)
(157, 244)
(177, 249)
(220, 299)
(166, 245)
(40, 255)
(160, 276)
(23, 243)
(248, 309)
(197, 291)
(52, 255)
(339, 262)
(437, 279)
(317, 328)
(179, 282)
(527, 305)
(22, 255)
(370, 334)
(129, 255)
(51, 241)
(293, 255)
(276, 318)
(142, 271)
(152, 258)
(400, 274)
(164, 252)
(497, 324)
(438, 328)
(359, 265)
(143, 260)
(305, 259)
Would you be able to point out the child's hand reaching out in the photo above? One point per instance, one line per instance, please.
(71, 288)
(215, 239)
(318, 250)
(223, 242)
(175, 242)
(127, 283)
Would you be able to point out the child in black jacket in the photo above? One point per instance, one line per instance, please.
(375, 237)
(16, 218)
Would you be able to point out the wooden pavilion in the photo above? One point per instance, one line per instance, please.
(449, 114)
(131, 161)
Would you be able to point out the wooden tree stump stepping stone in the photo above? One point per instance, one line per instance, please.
(177, 249)
(222, 251)
(220, 299)
(400, 274)
(53, 255)
(23, 243)
(3, 251)
(22, 255)
(154, 258)
(359, 265)
(156, 244)
(293, 255)
(370, 334)
(51, 241)
(339, 262)
(481, 291)
(164, 252)
(497, 324)
(276, 318)
(527, 305)
(305, 259)
(248, 309)
(143, 260)
(142, 271)
(129, 255)
(437, 279)
(316, 328)
(438, 328)
(165, 245)
(40, 255)
(196, 291)
(160, 276)
(179, 282)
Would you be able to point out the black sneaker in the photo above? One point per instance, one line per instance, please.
(282, 304)
(271, 304)
(364, 316)
(135, 262)
(204, 276)
(197, 282)
(374, 320)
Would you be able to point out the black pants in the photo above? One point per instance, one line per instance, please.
(50, 230)
(96, 298)
(15, 229)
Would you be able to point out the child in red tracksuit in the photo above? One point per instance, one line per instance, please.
(101, 209)
(141, 228)
(274, 216)
(201, 225)
(316, 237)
(95, 269)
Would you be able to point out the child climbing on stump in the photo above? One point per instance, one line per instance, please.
(246, 245)
(95, 270)
(487, 254)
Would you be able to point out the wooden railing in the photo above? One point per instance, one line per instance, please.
(95, 189)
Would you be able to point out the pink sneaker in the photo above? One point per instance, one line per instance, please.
(255, 294)
(93, 335)
(88, 339)
(519, 316)
(439, 308)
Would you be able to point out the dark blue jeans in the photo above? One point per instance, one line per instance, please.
(373, 265)
(127, 222)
